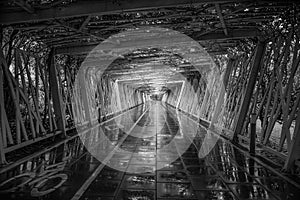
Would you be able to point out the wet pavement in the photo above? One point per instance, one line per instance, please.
(149, 152)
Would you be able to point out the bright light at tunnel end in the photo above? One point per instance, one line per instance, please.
(118, 46)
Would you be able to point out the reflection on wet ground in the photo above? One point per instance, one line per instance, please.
(149, 152)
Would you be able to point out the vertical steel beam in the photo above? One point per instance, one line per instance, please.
(252, 133)
(228, 72)
(221, 96)
(118, 95)
(294, 150)
(56, 94)
(259, 54)
(180, 94)
(83, 91)
(2, 127)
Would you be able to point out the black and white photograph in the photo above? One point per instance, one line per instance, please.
(150, 100)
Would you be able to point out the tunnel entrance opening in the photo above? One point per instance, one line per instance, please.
(142, 62)
(156, 97)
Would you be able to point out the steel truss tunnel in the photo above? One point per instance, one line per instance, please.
(123, 100)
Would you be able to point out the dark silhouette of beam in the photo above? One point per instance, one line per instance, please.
(26, 6)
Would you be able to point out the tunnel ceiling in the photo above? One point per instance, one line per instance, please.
(151, 69)
(75, 27)
(150, 63)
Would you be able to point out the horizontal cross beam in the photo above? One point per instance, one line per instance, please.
(238, 34)
(85, 8)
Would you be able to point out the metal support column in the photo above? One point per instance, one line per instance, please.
(252, 134)
(180, 94)
(294, 150)
(56, 95)
(2, 126)
(118, 95)
(259, 54)
(84, 95)
(221, 95)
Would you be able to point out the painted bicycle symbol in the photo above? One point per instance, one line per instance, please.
(37, 180)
